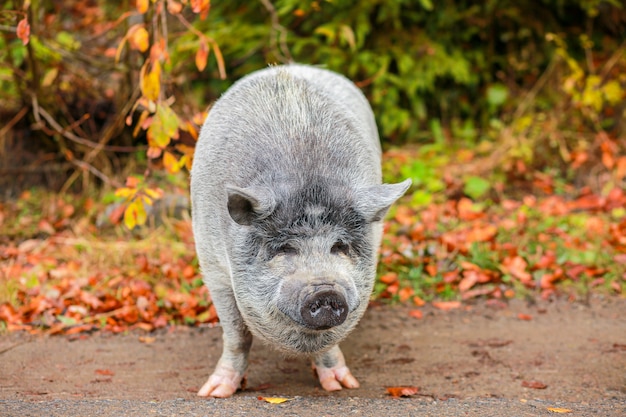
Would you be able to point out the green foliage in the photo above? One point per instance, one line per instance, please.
(534, 93)
(456, 62)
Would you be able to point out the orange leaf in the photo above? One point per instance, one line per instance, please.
(23, 31)
(389, 278)
(516, 266)
(174, 7)
(525, 317)
(402, 391)
(147, 339)
(202, 55)
(142, 5)
(447, 305)
(202, 7)
(405, 293)
(534, 385)
(139, 39)
(620, 169)
(416, 314)
(104, 372)
(418, 301)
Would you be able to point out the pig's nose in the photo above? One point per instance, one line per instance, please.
(324, 309)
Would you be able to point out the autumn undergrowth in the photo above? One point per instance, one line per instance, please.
(68, 264)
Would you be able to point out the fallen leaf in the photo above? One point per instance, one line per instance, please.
(416, 314)
(402, 391)
(105, 372)
(446, 305)
(534, 385)
(526, 317)
(559, 410)
(147, 339)
(274, 400)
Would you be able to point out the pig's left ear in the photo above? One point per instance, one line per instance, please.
(374, 201)
(248, 204)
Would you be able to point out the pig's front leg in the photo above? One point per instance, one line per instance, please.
(231, 368)
(332, 371)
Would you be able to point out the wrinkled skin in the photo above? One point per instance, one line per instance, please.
(287, 209)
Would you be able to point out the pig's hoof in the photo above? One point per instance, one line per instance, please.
(222, 384)
(332, 379)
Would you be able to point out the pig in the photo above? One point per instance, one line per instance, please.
(287, 210)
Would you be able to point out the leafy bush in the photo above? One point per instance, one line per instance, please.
(86, 83)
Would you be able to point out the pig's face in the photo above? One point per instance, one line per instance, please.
(305, 260)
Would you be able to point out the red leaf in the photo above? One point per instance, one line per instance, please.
(23, 31)
(534, 385)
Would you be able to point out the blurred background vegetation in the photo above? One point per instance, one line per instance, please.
(507, 115)
(523, 86)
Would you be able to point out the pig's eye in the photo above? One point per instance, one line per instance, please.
(286, 250)
(340, 248)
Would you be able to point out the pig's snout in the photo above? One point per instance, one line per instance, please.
(323, 309)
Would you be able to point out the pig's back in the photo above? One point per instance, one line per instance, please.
(289, 122)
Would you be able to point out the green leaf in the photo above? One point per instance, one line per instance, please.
(65, 320)
(164, 127)
(497, 95)
(427, 4)
(476, 187)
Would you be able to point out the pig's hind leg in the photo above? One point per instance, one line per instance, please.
(332, 371)
(231, 368)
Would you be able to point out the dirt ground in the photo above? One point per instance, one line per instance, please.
(479, 353)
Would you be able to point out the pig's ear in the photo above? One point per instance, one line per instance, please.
(374, 201)
(247, 204)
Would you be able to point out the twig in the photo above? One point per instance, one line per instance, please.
(216, 49)
(86, 142)
(610, 63)
(13, 121)
(279, 36)
(105, 138)
(86, 166)
(529, 97)
(13, 347)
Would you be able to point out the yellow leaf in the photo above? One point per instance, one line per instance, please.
(49, 78)
(274, 400)
(146, 200)
(139, 39)
(559, 410)
(142, 5)
(170, 163)
(125, 192)
(151, 82)
(130, 219)
(613, 92)
(154, 193)
(135, 214)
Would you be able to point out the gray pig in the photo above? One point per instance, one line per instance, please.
(287, 209)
